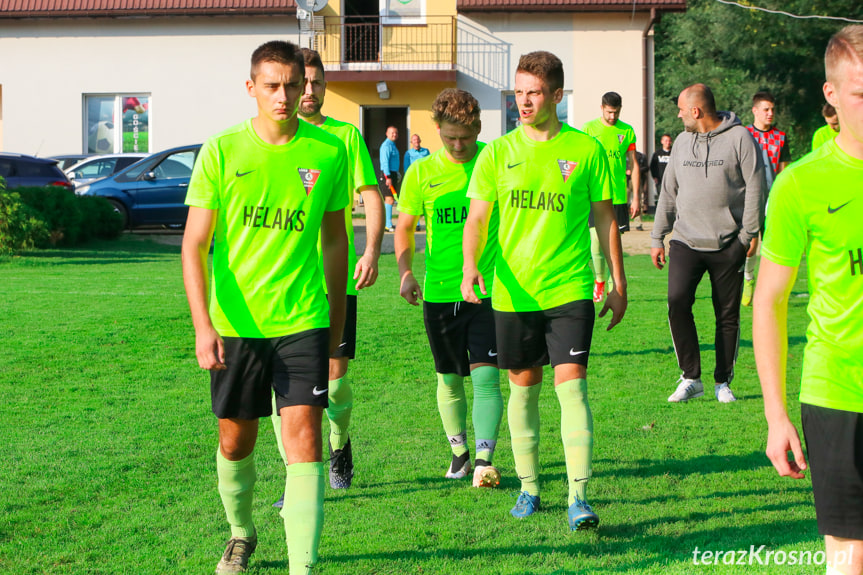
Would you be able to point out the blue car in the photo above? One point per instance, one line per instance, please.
(151, 192)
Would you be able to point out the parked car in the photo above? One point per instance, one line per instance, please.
(151, 191)
(21, 170)
(66, 161)
(98, 167)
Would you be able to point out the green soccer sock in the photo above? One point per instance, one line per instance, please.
(576, 429)
(277, 428)
(487, 410)
(341, 398)
(523, 417)
(237, 487)
(303, 513)
(452, 404)
(600, 268)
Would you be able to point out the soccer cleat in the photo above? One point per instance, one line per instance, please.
(390, 229)
(687, 389)
(723, 393)
(460, 466)
(526, 505)
(581, 516)
(598, 291)
(236, 556)
(486, 476)
(748, 289)
(341, 466)
(280, 503)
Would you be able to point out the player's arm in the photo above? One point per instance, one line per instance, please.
(770, 343)
(209, 348)
(334, 245)
(609, 241)
(784, 158)
(385, 164)
(473, 243)
(366, 272)
(635, 206)
(405, 245)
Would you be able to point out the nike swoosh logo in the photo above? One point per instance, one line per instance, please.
(837, 208)
(492, 354)
(511, 166)
(435, 185)
(317, 391)
(241, 174)
(573, 352)
(343, 344)
(520, 478)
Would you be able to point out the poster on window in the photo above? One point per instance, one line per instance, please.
(117, 123)
(136, 124)
(403, 11)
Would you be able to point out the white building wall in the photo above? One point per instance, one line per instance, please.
(194, 70)
(600, 53)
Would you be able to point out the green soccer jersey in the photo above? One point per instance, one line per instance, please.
(544, 192)
(815, 207)
(822, 135)
(436, 188)
(361, 173)
(617, 141)
(266, 279)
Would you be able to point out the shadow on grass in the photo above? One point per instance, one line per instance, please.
(702, 465)
(626, 547)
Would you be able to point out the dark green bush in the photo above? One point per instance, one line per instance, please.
(21, 227)
(51, 216)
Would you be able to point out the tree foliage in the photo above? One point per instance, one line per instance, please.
(738, 52)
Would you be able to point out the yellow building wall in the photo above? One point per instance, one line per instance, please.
(344, 100)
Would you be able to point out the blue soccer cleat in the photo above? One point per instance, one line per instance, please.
(526, 505)
(581, 516)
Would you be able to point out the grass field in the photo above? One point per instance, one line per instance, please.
(109, 442)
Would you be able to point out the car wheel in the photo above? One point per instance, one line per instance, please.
(121, 209)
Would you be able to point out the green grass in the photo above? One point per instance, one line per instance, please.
(109, 442)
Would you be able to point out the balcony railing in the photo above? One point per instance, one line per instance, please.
(374, 43)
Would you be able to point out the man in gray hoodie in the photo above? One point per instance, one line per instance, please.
(712, 199)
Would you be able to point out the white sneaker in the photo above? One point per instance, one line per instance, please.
(460, 466)
(723, 393)
(687, 389)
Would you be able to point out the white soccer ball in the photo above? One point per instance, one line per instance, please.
(102, 137)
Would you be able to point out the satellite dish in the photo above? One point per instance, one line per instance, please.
(311, 5)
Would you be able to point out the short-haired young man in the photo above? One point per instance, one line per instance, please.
(815, 209)
(262, 192)
(461, 334)
(362, 180)
(545, 178)
(829, 130)
(774, 147)
(659, 161)
(618, 140)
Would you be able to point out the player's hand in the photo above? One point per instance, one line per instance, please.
(753, 246)
(469, 279)
(634, 209)
(210, 350)
(782, 437)
(616, 301)
(658, 257)
(389, 182)
(366, 272)
(410, 289)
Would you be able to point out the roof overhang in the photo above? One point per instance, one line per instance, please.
(391, 76)
(481, 6)
(62, 9)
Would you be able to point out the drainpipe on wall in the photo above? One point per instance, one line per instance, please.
(649, 143)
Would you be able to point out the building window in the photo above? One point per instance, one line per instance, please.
(116, 123)
(400, 12)
(510, 110)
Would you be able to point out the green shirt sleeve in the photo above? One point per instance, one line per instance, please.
(483, 184)
(411, 196)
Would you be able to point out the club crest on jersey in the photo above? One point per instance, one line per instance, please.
(566, 168)
(620, 138)
(309, 177)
